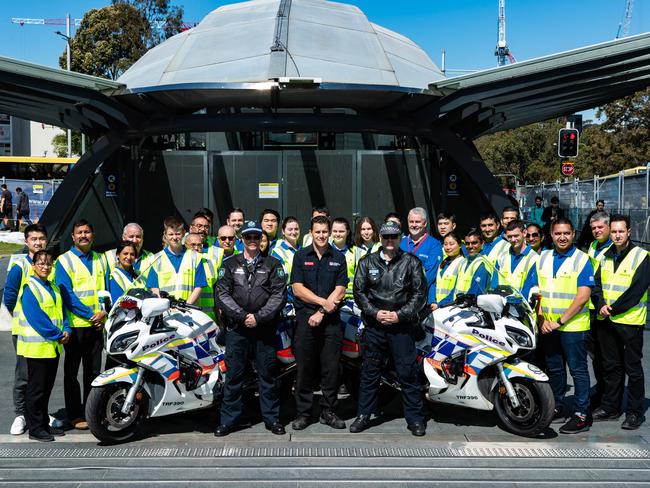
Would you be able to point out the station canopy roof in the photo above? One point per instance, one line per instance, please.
(318, 55)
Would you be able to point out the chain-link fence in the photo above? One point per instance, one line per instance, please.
(627, 192)
(39, 193)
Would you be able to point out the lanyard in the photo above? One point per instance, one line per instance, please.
(415, 249)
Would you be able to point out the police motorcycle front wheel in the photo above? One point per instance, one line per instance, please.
(104, 413)
(534, 413)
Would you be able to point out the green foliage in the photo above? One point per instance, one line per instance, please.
(60, 143)
(157, 12)
(530, 152)
(108, 41)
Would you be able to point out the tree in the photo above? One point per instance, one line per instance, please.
(60, 143)
(158, 13)
(108, 41)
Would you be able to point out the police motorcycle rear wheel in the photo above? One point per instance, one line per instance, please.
(105, 418)
(535, 412)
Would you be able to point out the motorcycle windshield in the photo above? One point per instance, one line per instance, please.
(517, 306)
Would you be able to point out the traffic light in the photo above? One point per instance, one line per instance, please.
(567, 143)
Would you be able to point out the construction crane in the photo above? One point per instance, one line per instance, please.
(624, 27)
(502, 50)
(156, 24)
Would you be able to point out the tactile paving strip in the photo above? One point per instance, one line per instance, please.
(231, 451)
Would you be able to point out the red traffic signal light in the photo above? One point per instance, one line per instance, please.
(567, 143)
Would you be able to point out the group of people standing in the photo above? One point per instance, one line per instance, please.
(244, 283)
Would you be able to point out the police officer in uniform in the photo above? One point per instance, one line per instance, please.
(620, 296)
(319, 280)
(251, 292)
(390, 288)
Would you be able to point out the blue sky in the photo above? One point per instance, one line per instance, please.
(466, 29)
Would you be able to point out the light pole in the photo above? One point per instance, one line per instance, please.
(68, 55)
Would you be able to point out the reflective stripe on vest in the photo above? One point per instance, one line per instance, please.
(517, 277)
(351, 262)
(31, 344)
(180, 284)
(615, 283)
(361, 251)
(26, 271)
(558, 293)
(499, 248)
(84, 284)
(122, 279)
(595, 261)
(285, 254)
(466, 274)
(446, 282)
(206, 301)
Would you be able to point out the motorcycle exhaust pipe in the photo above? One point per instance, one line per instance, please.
(130, 396)
(512, 396)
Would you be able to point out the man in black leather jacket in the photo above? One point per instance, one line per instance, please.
(251, 292)
(390, 288)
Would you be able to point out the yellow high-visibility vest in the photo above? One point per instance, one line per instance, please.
(595, 261)
(361, 252)
(31, 344)
(206, 302)
(615, 283)
(181, 284)
(145, 261)
(466, 274)
(501, 247)
(85, 285)
(446, 281)
(558, 293)
(516, 277)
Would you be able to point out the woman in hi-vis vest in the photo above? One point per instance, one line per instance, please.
(43, 329)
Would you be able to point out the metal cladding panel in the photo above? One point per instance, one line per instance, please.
(337, 45)
(148, 70)
(240, 13)
(330, 14)
(231, 71)
(310, 67)
(409, 74)
(224, 44)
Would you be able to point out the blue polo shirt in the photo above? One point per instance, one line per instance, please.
(429, 251)
(586, 276)
(200, 280)
(12, 285)
(487, 246)
(601, 247)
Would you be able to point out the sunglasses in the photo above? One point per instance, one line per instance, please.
(252, 237)
(390, 236)
(533, 234)
(226, 238)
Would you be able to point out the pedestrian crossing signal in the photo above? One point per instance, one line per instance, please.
(567, 143)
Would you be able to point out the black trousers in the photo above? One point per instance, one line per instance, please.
(621, 347)
(41, 373)
(239, 342)
(397, 341)
(316, 349)
(85, 349)
(20, 381)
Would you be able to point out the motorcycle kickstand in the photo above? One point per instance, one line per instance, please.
(130, 396)
(512, 396)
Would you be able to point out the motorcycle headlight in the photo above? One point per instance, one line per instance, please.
(121, 343)
(521, 338)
